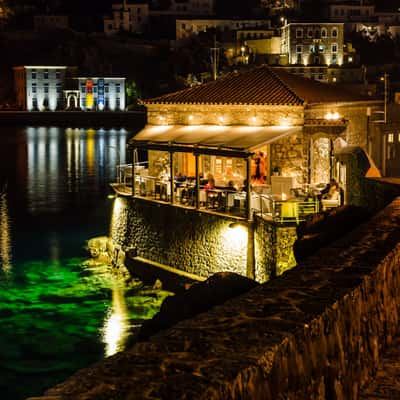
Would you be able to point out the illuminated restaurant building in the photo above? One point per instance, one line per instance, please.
(250, 149)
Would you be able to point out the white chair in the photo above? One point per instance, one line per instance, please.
(255, 202)
(150, 187)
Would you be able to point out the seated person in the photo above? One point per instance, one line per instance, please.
(204, 181)
(209, 185)
(244, 186)
(179, 179)
(333, 192)
(331, 183)
(231, 187)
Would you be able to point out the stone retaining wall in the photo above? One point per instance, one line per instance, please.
(198, 242)
(316, 332)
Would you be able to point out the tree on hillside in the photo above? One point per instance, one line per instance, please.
(5, 11)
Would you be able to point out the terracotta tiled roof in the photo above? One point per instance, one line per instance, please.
(260, 86)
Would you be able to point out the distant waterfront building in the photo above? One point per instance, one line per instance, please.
(127, 16)
(101, 93)
(40, 87)
(313, 43)
(50, 88)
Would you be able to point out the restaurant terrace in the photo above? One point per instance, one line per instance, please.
(261, 142)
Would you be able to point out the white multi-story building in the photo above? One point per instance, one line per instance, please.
(40, 87)
(191, 27)
(101, 93)
(313, 43)
(128, 16)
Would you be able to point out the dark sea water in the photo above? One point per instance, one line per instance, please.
(59, 311)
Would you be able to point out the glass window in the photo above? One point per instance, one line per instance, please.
(33, 87)
(334, 48)
(299, 48)
(299, 33)
(46, 88)
(33, 74)
(46, 74)
(323, 32)
(310, 33)
(334, 32)
(118, 87)
(58, 74)
(390, 138)
(34, 102)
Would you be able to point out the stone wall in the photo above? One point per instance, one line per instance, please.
(317, 332)
(197, 242)
(198, 114)
(356, 115)
(290, 154)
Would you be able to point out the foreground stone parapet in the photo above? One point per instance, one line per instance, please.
(317, 332)
(386, 385)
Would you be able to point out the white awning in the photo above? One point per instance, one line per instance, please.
(229, 138)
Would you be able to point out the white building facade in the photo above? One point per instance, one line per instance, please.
(40, 88)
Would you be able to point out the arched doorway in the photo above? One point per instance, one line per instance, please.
(71, 99)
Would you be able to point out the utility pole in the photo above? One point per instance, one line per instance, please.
(214, 59)
(386, 78)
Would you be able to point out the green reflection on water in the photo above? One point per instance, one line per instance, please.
(57, 317)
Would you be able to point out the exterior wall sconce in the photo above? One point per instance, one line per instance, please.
(332, 116)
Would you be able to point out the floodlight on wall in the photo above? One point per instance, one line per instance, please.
(332, 116)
